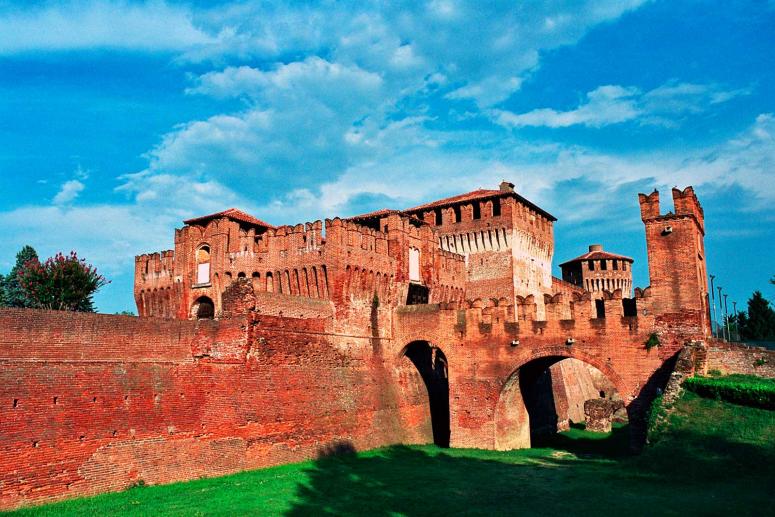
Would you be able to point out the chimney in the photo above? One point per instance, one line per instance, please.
(595, 247)
(506, 186)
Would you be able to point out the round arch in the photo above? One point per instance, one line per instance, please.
(432, 365)
(203, 308)
(512, 421)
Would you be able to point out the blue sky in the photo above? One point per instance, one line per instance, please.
(119, 119)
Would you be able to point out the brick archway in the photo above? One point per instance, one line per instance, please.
(512, 421)
(432, 365)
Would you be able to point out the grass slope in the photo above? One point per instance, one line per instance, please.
(712, 458)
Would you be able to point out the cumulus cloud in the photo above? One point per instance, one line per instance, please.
(297, 81)
(68, 192)
(604, 105)
(87, 24)
(614, 104)
(546, 173)
(404, 42)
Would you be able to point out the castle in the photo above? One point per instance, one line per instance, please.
(485, 244)
(258, 345)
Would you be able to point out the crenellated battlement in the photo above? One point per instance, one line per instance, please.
(685, 204)
(568, 320)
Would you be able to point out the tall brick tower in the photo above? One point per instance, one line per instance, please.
(676, 254)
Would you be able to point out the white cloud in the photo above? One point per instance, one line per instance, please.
(614, 104)
(108, 236)
(332, 83)
(485, 49)
(544, 173)
(604, 105)
(87, 24)
(68, 192)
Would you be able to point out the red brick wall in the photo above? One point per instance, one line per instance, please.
(729, 358)
(91, 403)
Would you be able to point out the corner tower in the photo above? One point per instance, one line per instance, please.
(676, 255)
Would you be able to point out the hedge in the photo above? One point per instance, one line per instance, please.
(745, 390)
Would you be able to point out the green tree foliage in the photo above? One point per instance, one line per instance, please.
(61, 283)
(759, 322)
(11, 293)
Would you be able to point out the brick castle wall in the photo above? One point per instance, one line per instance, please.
(93, 403)
(729, 358)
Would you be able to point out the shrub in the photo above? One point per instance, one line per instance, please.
(652, 341)
(746, 390)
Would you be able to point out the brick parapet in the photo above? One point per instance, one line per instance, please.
(737, 358)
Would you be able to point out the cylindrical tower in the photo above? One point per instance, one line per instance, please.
(599, 271)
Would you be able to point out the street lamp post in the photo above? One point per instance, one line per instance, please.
(726, 317)
(737, 321)
(720, 310)
(713, 332)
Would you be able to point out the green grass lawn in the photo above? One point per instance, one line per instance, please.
(712, 458)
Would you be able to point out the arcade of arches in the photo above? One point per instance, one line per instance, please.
(542, 397)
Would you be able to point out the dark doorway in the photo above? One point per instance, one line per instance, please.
(204, 309)
(431, 362)
(600, 309)
(418, 294)
(630, 307)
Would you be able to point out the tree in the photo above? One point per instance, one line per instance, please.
(11, 293)
(61, 283)
(759, 323)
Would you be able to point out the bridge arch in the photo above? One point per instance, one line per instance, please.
(512, 414)
(432, 365)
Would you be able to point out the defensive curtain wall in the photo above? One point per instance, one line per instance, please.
(91, 403)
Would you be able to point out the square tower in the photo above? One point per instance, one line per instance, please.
(676, 255)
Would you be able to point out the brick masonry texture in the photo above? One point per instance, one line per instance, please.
(310, 339)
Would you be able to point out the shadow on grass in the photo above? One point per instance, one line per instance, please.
(425, 480)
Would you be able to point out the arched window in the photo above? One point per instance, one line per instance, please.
(203, 265)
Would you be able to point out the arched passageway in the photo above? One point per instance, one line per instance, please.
(549, 395)
(203, 308)
(431, 363)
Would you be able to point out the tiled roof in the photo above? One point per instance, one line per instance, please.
(480, 194)
(376, 213)
(231, 213)
(598, 255)
(460, 198)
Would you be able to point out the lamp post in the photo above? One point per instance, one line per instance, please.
(713, 332)
(726, 317)
(737, 321)
(720, 310)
